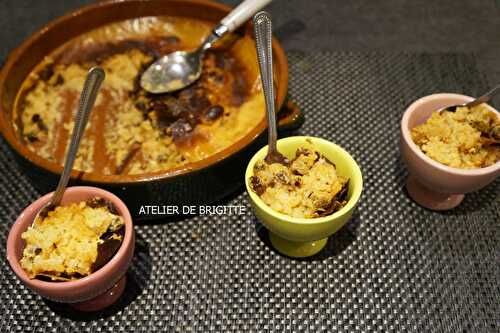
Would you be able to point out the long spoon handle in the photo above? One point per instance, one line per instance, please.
(233, 20)
(243, 12)
(485, 98)
(87, 99)
(263, 39)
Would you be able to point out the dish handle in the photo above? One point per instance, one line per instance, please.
(290, 117)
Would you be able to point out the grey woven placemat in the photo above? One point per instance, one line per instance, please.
(396, 267)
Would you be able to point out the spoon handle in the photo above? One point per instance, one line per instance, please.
(485, 98)
(243, 12)
(263, 39)
(87, 99)
(232, 21)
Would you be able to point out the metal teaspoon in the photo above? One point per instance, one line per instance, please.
(87, 99)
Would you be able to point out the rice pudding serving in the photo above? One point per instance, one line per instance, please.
(465, 139)
(308, 187)
(130, 131)
(72, 241)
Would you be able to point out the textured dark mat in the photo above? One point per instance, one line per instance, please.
(395, 267)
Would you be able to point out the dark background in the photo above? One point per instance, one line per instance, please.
(332, 25)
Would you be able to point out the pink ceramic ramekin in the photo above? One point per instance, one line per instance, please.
(91, 293)
(430, 183)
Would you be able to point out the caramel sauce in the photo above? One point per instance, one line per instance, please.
(98, 122)
(70, 100)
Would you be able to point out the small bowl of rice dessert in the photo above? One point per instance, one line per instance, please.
(449, 153)
(79, 252)
(303, 202)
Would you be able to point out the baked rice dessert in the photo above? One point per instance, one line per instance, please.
(131, 131)
(464, 139)
(308, 187)
(72, 241)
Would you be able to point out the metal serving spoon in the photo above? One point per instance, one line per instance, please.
(179, 69)
(87, 99)
(263, 42)
(483, 99)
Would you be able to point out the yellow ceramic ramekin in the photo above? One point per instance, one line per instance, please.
(300, 237)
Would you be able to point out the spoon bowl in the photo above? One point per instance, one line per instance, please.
(172, 72)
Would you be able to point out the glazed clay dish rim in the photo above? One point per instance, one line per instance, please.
(248, 139)
(108, 268)
(406, 133)
(351, 203)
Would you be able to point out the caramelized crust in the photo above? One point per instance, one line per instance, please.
(462, 139)
(72, 241)
(307, 188)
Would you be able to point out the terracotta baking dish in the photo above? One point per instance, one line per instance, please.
(202, 182)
